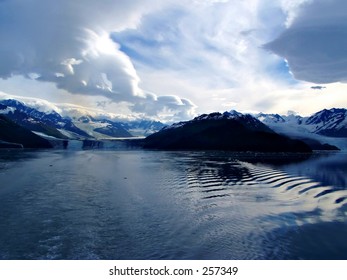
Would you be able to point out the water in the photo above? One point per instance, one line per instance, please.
(136, 204)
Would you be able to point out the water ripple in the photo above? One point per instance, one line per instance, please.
(302, 188)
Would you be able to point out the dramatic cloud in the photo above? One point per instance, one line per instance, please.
(213, 42)
(315, 43)
(214, 47)
(68, 43)
(159, 58)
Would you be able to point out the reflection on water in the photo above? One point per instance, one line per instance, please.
(136, 204)
(328, 168)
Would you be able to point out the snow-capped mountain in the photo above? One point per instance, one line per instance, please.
(270, 118)
(70, 122)
(50, 123)
(331, 122)
(103, 127)
(328, 126)
(247, 120)
(143, 127)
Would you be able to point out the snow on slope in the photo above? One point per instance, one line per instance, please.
(312, 127)
(85, 119)
(65, 109)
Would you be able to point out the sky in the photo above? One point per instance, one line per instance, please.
(172, 60)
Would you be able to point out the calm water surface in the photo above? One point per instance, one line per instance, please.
(135, 204)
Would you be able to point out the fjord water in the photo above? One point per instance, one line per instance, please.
(137, 204)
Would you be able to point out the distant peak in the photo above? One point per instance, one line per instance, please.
(217, 115)
(234, 113)
(12, 102)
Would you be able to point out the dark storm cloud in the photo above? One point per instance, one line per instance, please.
(315, 43)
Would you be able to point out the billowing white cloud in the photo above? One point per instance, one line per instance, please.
(68, 43)
(315, 43)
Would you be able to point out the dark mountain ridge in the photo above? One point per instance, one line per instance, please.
(17, 136)
(34, 120)
(227, 131)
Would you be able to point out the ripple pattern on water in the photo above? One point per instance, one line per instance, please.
(159, 205)
(309, 191)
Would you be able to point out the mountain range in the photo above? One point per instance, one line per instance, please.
(323, 127)
(74, 126)
(331, 122)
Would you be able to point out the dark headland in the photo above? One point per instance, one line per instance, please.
(16, 136)
(227, 131)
